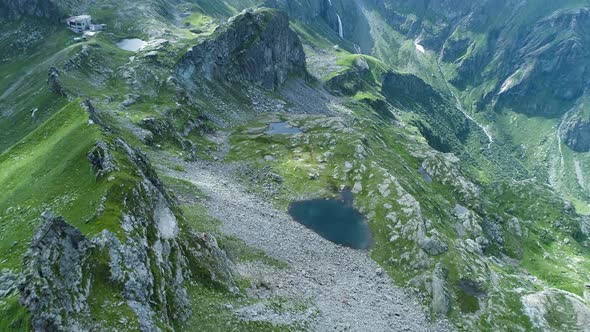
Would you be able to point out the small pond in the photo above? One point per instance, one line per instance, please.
(132, 45)
(335, 220)
(282, 128)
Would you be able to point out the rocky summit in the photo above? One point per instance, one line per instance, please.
(294, 165)
(255, 46)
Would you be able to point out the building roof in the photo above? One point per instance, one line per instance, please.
(78, 18)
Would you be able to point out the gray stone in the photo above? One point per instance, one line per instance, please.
(39, 8)
(575, 133)
(8, 283)
(53, 266)
(54, 83)
(102, 160)
(440, 300)
(255, 46)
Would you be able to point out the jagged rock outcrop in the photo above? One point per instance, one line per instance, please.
(54, 289)
(445, 169)
(308, 10)
(145, 259)
(8, 283)
(54, 83)
(103, 162)
(93, 113)
(39, 8)
(255, 46)
(350, 81)
(576, 134)
(429, 21)
(163, 129)
(554, 310)
(440, 297)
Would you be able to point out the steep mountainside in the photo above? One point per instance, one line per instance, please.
(146, 173)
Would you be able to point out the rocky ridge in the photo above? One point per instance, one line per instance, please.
(150, 262)
(255, 46)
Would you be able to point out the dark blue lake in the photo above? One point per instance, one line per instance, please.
(335, 220)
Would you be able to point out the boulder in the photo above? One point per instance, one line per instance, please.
(54, 83)
(440, 300)
(103, 162)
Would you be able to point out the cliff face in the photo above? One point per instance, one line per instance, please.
(525, 56)
(552, 63)
(257, 47)
(39, 8)
(576, 134)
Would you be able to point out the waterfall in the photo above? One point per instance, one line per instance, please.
(340, 30)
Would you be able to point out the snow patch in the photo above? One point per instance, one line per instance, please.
(419, 47)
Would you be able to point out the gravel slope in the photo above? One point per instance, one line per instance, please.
(347, 287)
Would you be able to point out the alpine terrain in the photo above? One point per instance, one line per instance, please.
(294, 165)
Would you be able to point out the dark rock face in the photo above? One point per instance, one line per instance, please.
(443, 126)
(308, 10)
(257, 47)
(473, 288)
(553, 63)
(440, 295)
(409, 87)
(54, 83)
(39, 8)
(432, 21)
(351, 81)
(54, 290)
(302, 9)
(576, 134)
(101, 159)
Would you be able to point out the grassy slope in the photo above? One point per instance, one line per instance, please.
(24, 73)
(49, 169)
(294, 163)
